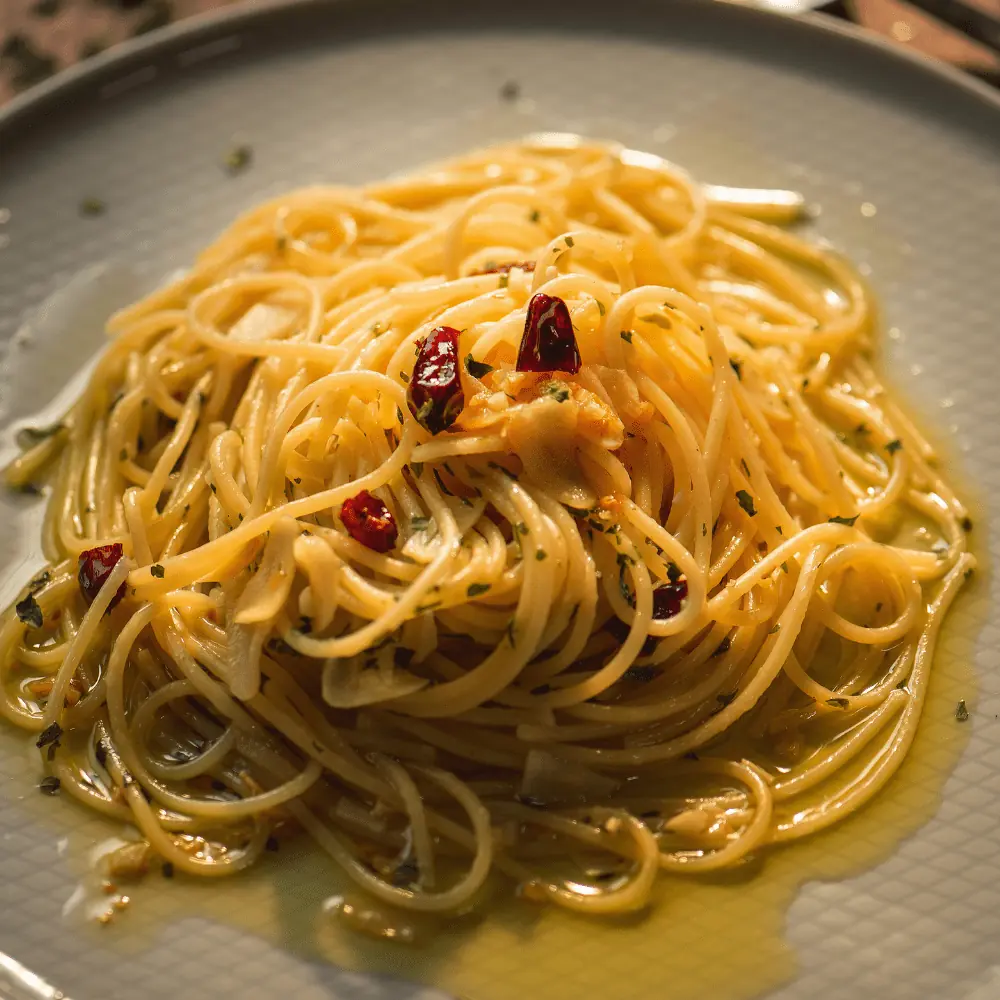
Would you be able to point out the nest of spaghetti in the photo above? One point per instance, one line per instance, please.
(538, 520)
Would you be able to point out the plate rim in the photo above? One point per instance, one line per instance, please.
(190, 30)
(202, 29)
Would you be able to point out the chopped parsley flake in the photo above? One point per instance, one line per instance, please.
(91, 207)
(29, 611)
(49, 736)
(156, 570)
(49, 785)
(723, 646)
(838, 702)
(737, 366)
(849, 521)
(962, 712)
(475, 589)
(893, 446)
(556, 391)
(746, 502)
(477, 369)
(238, 159)
(505, 471)
(627, 336)
(541, 555)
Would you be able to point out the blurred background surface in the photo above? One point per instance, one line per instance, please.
(40, 37)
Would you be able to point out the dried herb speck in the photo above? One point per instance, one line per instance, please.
(962, 712)
(49, 735)
(238, 159)
(29, 611)
(746, 502)
(477, 369)
(91, 207)
(49, 785)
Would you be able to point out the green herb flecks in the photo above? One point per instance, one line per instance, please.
(238, 159)
(29, 611)
(723, 646)
(91, 207)
(849, 521)
(49, 736)
(28, 437)
(477, 369)
(504, 470)
(746, 502)
(49, 785)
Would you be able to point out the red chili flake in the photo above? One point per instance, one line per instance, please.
(669, 598)
(522, 265)
(434, 395)
(369, 522)
(95, 567)
(548, 344)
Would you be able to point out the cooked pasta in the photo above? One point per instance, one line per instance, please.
(539, 518)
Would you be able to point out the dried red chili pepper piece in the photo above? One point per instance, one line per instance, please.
(668, 599)
(548, 343)
(95, 567)
(369, 522)
(522, 265)
(434, 395)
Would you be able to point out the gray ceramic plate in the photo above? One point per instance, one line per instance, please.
(351, 91)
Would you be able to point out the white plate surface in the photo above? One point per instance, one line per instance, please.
(347, 92)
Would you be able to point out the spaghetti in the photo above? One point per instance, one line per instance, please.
(540, 515)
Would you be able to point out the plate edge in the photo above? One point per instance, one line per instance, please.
(161, 41)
